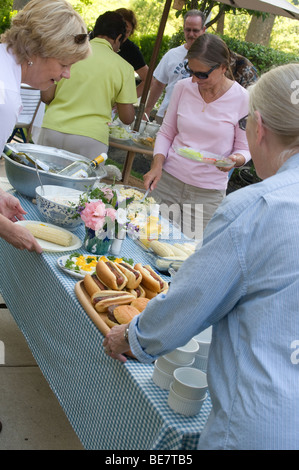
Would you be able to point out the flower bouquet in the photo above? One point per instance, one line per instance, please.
(104, 216)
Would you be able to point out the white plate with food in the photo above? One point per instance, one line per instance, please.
(119, 133)
(204, 157)
(78, 265)
(51, 237)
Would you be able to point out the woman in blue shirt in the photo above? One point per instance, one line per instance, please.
(244, 281)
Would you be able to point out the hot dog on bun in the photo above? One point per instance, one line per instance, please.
(104, 299)
(150, 279)
(93, 284)
(138, 292)
(134, 277)
(109, 273)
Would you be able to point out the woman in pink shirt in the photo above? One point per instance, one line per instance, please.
(203, 114)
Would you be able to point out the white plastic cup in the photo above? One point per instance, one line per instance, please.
(190, 383)
(184, 354)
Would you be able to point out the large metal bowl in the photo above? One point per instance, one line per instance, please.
(25, 179)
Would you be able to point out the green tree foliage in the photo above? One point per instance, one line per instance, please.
(146, 43)
(5, 14)
(262, 57)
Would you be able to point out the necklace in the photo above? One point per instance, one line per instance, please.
(212, 98)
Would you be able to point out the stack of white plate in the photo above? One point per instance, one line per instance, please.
(188, 391)
(203, 340)
(166, 365)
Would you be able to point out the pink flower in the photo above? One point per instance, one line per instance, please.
(111, 213)
(93, 215)
(108, 193)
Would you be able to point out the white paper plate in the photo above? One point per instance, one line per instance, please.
(205, 157)
(80, 275)
(49, 246)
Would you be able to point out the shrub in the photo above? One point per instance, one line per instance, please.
(261, 56)
(147, 43)
(5, 14)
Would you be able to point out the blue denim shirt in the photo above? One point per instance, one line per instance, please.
(244, 281)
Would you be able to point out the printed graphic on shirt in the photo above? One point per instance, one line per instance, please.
(180, 70)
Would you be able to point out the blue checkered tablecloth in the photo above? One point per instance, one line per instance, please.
(110, 405)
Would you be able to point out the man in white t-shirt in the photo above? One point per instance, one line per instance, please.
(171, 67)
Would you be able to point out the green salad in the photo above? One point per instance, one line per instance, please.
(119, 132)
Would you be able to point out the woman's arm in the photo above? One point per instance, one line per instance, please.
(126, 112)
(18, 235)
(152, 177)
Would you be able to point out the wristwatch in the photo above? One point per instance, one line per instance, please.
(126, 335)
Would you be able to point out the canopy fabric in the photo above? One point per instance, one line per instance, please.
(276, 7)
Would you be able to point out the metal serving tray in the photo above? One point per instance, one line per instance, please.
(25, 179)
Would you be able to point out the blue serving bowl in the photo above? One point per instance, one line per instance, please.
(53, 203)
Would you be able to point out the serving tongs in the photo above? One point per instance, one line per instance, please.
(146, 193)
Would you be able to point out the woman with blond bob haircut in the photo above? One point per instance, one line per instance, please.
(44, 40)
(47, 29)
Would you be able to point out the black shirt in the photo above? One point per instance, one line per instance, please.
(132, 54)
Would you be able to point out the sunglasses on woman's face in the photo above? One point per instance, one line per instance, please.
(201, 75)
(80, 38)
(243, 122)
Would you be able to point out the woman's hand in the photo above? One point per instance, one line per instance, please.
(152, 177)
(237, 161)
(18, 236)
(115, 344)
(10, 207)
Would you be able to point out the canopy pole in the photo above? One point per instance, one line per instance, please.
(131, 154)
(152, 65)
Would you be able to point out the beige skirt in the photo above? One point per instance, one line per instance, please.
(190, 208)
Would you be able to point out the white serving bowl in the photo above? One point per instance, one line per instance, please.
(204, 340)
(53, 204)
(152, 128)
(168, 366)
(184, 354)
(190, 383)
(161, 378)
(182, 405)
(201, 362)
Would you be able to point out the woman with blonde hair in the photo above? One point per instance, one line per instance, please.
(244, 281)
(44, 40)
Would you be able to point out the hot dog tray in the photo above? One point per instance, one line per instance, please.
(97, 318)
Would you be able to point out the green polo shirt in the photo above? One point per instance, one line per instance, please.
(82, 104)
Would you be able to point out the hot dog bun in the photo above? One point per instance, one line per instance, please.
(149, 294)
(138, 292)
(150, 279)
(104, 299)
(120, 315)
(110, 274)
(92, 284)
(140, 303)
(134, 277)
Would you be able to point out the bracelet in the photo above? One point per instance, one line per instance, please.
(126, 335)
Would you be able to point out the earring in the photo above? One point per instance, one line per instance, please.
(30, 63)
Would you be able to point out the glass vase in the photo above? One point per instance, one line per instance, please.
(97, 244)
